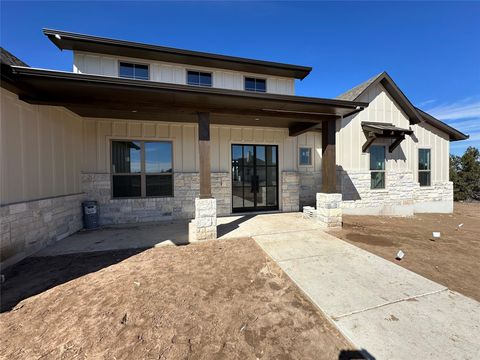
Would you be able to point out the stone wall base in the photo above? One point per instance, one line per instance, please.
(28, 227)
(329, 210)
(290, 193)
(204, 226)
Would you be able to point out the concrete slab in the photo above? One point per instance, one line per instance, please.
(445, 325)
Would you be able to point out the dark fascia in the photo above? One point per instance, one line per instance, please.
(354, 106)
(81, 42)
(455, 135)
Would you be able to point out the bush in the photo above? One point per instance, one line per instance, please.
(465, 175)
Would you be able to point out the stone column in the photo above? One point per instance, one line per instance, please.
(204, 226)
(329, 209)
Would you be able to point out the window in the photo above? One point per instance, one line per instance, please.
(133, 71)
(142, 169)
(258, 85)
(198, 78)
(377, 167)
(424, 167)
(305, 156)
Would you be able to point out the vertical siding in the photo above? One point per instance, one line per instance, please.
(40, 150)
(383, 108)
(100, 64)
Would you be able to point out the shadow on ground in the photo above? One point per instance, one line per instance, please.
(355, 355)
(224, 229)
(35, 275)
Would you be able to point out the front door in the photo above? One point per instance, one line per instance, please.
(254, 177)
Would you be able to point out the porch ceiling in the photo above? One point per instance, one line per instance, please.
(110, 97)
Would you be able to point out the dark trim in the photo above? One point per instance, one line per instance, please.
(40, 199)
(375, 131)
(454, 134)
(81, 42)
(302, 127)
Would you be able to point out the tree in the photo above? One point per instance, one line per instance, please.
(465, 175)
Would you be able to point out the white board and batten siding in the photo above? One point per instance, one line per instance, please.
(99, 64)
(98, 134)
(382, 108)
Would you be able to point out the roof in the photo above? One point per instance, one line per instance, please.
(8, 58)
(80, 42)
(415, 115)
(455, 135)
(112, 97)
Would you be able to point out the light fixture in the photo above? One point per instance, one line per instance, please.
(58, 37)
(134, 111)
(257, 119)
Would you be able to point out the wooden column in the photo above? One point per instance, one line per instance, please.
(329, 169)
(204, 155)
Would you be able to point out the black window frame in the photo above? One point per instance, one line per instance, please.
(425, 171)
(383, 171)
(199, 77)
(309, 157)
(120, 62)
(143, 173)
(255, 89)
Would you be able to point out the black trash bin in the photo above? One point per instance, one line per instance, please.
(90, 215)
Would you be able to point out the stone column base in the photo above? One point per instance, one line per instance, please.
(329, 210)
(204, 226)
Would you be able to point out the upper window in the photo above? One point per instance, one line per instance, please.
(424, 167)
(198, 78)
(377, 167)
(252, 84)
(142, 169)
(133, 71)
(305, 156)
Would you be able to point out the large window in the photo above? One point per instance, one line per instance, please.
(133, 71)
(377, 167)
(424, 167)
(305, 156)
(141, 169)
(198, 78)
(253, 84)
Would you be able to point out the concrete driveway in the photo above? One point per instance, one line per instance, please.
(387, 311)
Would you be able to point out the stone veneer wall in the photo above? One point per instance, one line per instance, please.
(402, 195)
(290, 191)
(27, 227)
(310, 185)
(180, 206)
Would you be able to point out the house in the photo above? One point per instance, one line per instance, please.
(155, 133)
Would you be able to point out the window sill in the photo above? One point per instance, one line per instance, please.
(142, 198)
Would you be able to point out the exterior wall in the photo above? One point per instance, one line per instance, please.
(40, 150)
(100, 64)
(27, 227)
(402, 195)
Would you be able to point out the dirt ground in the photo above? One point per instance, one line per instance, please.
(452, 260)
(215, 300)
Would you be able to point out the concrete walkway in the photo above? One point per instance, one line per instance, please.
(385, 310)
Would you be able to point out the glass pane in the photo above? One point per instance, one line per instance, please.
(377, 158)
(424, 159)
(272, 196)
(271, 155)
(126, 70)
(159, 185)
(248, 155)
(193, 78)
(158, 157)
(248, 200)
(236, 154)
(126, 186)
(378, 180)
(260, 155)
(262, 176)
(424, 178)
(305, 156)
(205, 79)
(261, 85)
(271, 176)
(250, 84)
(262, 196)
(126, 157)
(141, 72)
(247, 176)
(237, 197)
(237, 176)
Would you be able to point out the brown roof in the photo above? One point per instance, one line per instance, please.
(8, 58)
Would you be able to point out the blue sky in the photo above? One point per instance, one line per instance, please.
(430, 49)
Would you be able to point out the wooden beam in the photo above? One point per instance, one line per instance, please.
(329, 168)
(204, 155)
(395, 144)
(370, 139)
(301, 127)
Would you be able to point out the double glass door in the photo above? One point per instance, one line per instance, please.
(254, 177)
